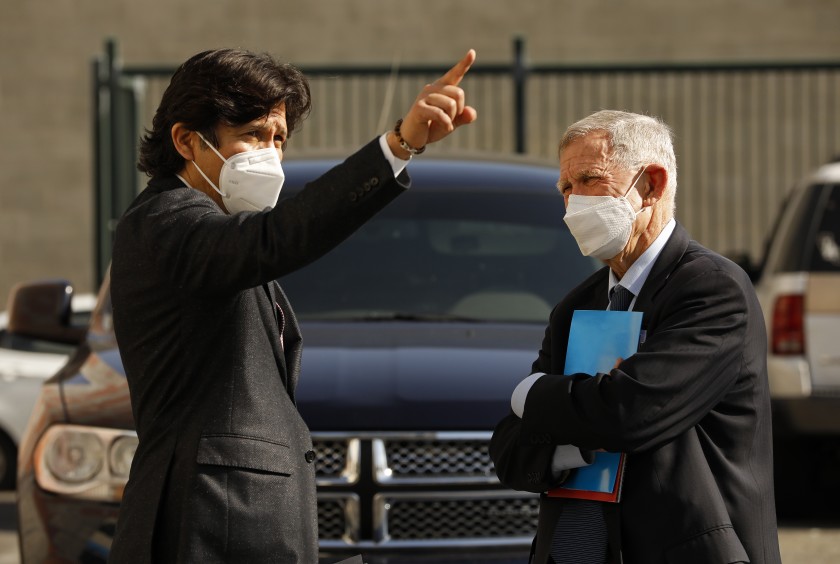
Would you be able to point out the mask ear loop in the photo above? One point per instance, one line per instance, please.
(200, 136)
(640, 173)
(201, 172)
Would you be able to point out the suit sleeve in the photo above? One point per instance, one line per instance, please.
(205, 251)
(525, 465)
(692, 358)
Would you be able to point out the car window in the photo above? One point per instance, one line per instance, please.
(825, 255)
(485, 256)
(809, 239)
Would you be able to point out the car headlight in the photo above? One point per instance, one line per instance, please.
(75, 457)
(85, 462)
(121, 454)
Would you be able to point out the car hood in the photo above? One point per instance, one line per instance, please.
(412, 376)
(359, 376)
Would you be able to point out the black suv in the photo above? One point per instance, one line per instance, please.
(416, 330)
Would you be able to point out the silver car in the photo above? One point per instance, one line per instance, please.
(26, 361)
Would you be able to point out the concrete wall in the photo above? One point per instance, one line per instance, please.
(46, 48)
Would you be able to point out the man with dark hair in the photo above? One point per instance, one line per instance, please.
(223, 471)
(691, 409)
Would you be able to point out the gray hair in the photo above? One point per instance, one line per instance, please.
(635, 140)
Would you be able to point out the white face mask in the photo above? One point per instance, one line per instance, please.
(601, 225)
(250, 181)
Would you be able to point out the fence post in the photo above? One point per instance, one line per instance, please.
(100, 194)
(520, 76)
(106, 154)
(105, 85)
(114, 125)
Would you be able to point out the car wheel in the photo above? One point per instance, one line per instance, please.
(8, 462)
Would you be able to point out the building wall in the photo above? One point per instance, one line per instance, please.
(46, 49)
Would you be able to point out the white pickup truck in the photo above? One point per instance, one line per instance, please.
(799, 290)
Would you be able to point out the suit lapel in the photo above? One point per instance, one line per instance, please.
(292, 339)
(272, 323)
(665, 263)
(598, 296)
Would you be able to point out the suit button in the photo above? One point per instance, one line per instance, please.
(366, 186)
(374, 181)
(309, 456)
(353, 197)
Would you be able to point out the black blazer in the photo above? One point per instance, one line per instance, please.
(691, 409)
(223, 470)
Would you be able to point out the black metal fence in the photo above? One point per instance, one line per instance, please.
(745, 133)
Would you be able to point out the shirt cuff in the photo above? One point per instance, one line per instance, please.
(520, 394)
(567, 457)
(397, 164)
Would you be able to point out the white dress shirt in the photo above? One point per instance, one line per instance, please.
(397, 164)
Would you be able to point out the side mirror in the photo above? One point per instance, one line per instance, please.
(42, 310)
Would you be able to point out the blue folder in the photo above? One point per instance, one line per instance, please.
(597, 339)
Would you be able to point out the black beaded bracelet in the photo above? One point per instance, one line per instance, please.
(406, 147)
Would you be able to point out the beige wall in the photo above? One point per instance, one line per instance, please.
(46, 48)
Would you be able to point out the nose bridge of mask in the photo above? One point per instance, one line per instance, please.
(259, 161)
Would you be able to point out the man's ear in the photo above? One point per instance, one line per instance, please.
(185, 141)
(657, 181)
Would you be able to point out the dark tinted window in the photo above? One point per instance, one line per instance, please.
(501, 256)
(825, 254)
(799, 245)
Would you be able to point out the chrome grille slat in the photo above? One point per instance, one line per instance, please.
(338, 517)
(336, 459)
(439, 458)
(469, 516)
(448, 458)
(426, 516)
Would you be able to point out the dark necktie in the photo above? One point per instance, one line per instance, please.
(580, 536)
(620, 298)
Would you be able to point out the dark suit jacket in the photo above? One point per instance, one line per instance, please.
(223, 470)
(691, 409)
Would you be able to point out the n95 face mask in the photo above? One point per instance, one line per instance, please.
(249, 181)
(601, 225)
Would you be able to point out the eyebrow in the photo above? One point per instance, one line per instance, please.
(262, 126)
(585, 174)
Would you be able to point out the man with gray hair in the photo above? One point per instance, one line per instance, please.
(690, 410)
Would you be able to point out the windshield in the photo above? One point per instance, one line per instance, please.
(447, 256)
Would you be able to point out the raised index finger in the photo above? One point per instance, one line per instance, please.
(454, 75)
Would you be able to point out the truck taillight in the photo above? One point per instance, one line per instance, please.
(788, 331)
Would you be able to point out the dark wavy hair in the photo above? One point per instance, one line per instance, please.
(222, 86)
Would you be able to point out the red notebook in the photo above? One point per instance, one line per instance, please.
(600, 481)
